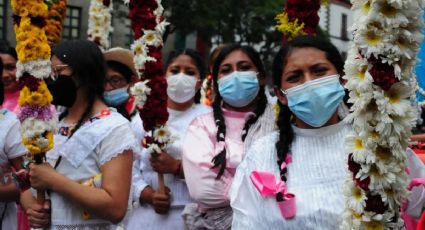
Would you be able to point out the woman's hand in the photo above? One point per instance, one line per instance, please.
(41, 176)
(159, 202)
(164, 163)
(39, 215)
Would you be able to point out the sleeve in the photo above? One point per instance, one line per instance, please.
(137, 179)
(119, 140)
(198, 151)
(417, 197)
(245, 199)
(13, 146)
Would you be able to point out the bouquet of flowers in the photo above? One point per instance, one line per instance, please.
(381, 80)
(100, 22)
(151, 92)
(37, 119)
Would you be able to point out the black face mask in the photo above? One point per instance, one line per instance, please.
(63, 90)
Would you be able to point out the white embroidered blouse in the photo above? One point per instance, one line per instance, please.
(94, 144)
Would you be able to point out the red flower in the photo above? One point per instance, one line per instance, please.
(382, 73)
(29, 81)
(364, 184)
(146, 141)
(375, 204)
(106, 2)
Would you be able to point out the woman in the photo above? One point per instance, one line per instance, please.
(185, 71)
(89, 174)
(215, 142)
(311, 130)
(120, 75)
(11, 87)
(11, 152)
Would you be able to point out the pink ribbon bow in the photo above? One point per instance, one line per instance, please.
(266, 184)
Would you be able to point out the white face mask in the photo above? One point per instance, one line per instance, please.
(181, 87)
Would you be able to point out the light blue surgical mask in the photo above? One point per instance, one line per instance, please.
(314, 102)
(116, 97)
(238, 89)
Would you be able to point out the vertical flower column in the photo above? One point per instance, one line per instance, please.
(150, 93)
(381, 80)
(37, 120)
(299, 18)
(56, 16)
(100, 22)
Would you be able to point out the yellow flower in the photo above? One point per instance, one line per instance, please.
(34, 145)
(374, 225)
(290, 29)
(31, 8)
(40, 97)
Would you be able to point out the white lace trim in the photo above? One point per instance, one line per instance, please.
(118, 151)
(103, 226)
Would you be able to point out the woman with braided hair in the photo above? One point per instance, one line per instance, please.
(307, 153)
(215, 143)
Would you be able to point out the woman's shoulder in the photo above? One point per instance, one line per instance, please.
(263, 151)
(7, 118)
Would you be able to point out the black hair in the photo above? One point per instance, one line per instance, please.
(1, 83)
(199, 62)
(220, 159)
(120, 68)
(89, 71)
(6, 49)
(286, 134)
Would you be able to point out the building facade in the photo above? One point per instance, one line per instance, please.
(336, 19)
(75, 24)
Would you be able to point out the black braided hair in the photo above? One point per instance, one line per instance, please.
(220, 159)
(199, 62)
(286, 133)
(89, 71)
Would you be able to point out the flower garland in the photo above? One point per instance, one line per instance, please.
(299, 18)
(151, 93)
(100, 22)
(53, 28)
(381, 80)
(37, 119)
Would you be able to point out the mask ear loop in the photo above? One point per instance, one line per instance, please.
(284, 91)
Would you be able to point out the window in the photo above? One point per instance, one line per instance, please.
(344, 27)
(72, 24)
(3, 17)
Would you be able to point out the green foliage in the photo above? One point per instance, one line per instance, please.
(225, 21)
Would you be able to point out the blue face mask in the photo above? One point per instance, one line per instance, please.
(116, 97)
(314, 102)
(238, 89)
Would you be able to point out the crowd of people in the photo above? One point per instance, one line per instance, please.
(99, 176)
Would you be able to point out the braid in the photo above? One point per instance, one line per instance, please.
(220, 159)
(259, 110)
(286, 136)
(86, 114)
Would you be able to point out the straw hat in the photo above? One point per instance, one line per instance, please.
(121, 55)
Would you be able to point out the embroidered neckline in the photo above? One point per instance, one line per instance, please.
(66, 130)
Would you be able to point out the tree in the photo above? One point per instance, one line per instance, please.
(248, 22)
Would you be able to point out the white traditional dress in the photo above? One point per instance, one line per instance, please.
(316, 177)
(10, 148)
(144, 216)
(95, 143)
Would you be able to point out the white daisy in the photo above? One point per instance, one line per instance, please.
(162, 134)
(154, 149)
(356, 197)
(369, 40)
(140, 91)
(152, 38)
(395, 100)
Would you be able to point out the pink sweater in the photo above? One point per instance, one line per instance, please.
(199, 148)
